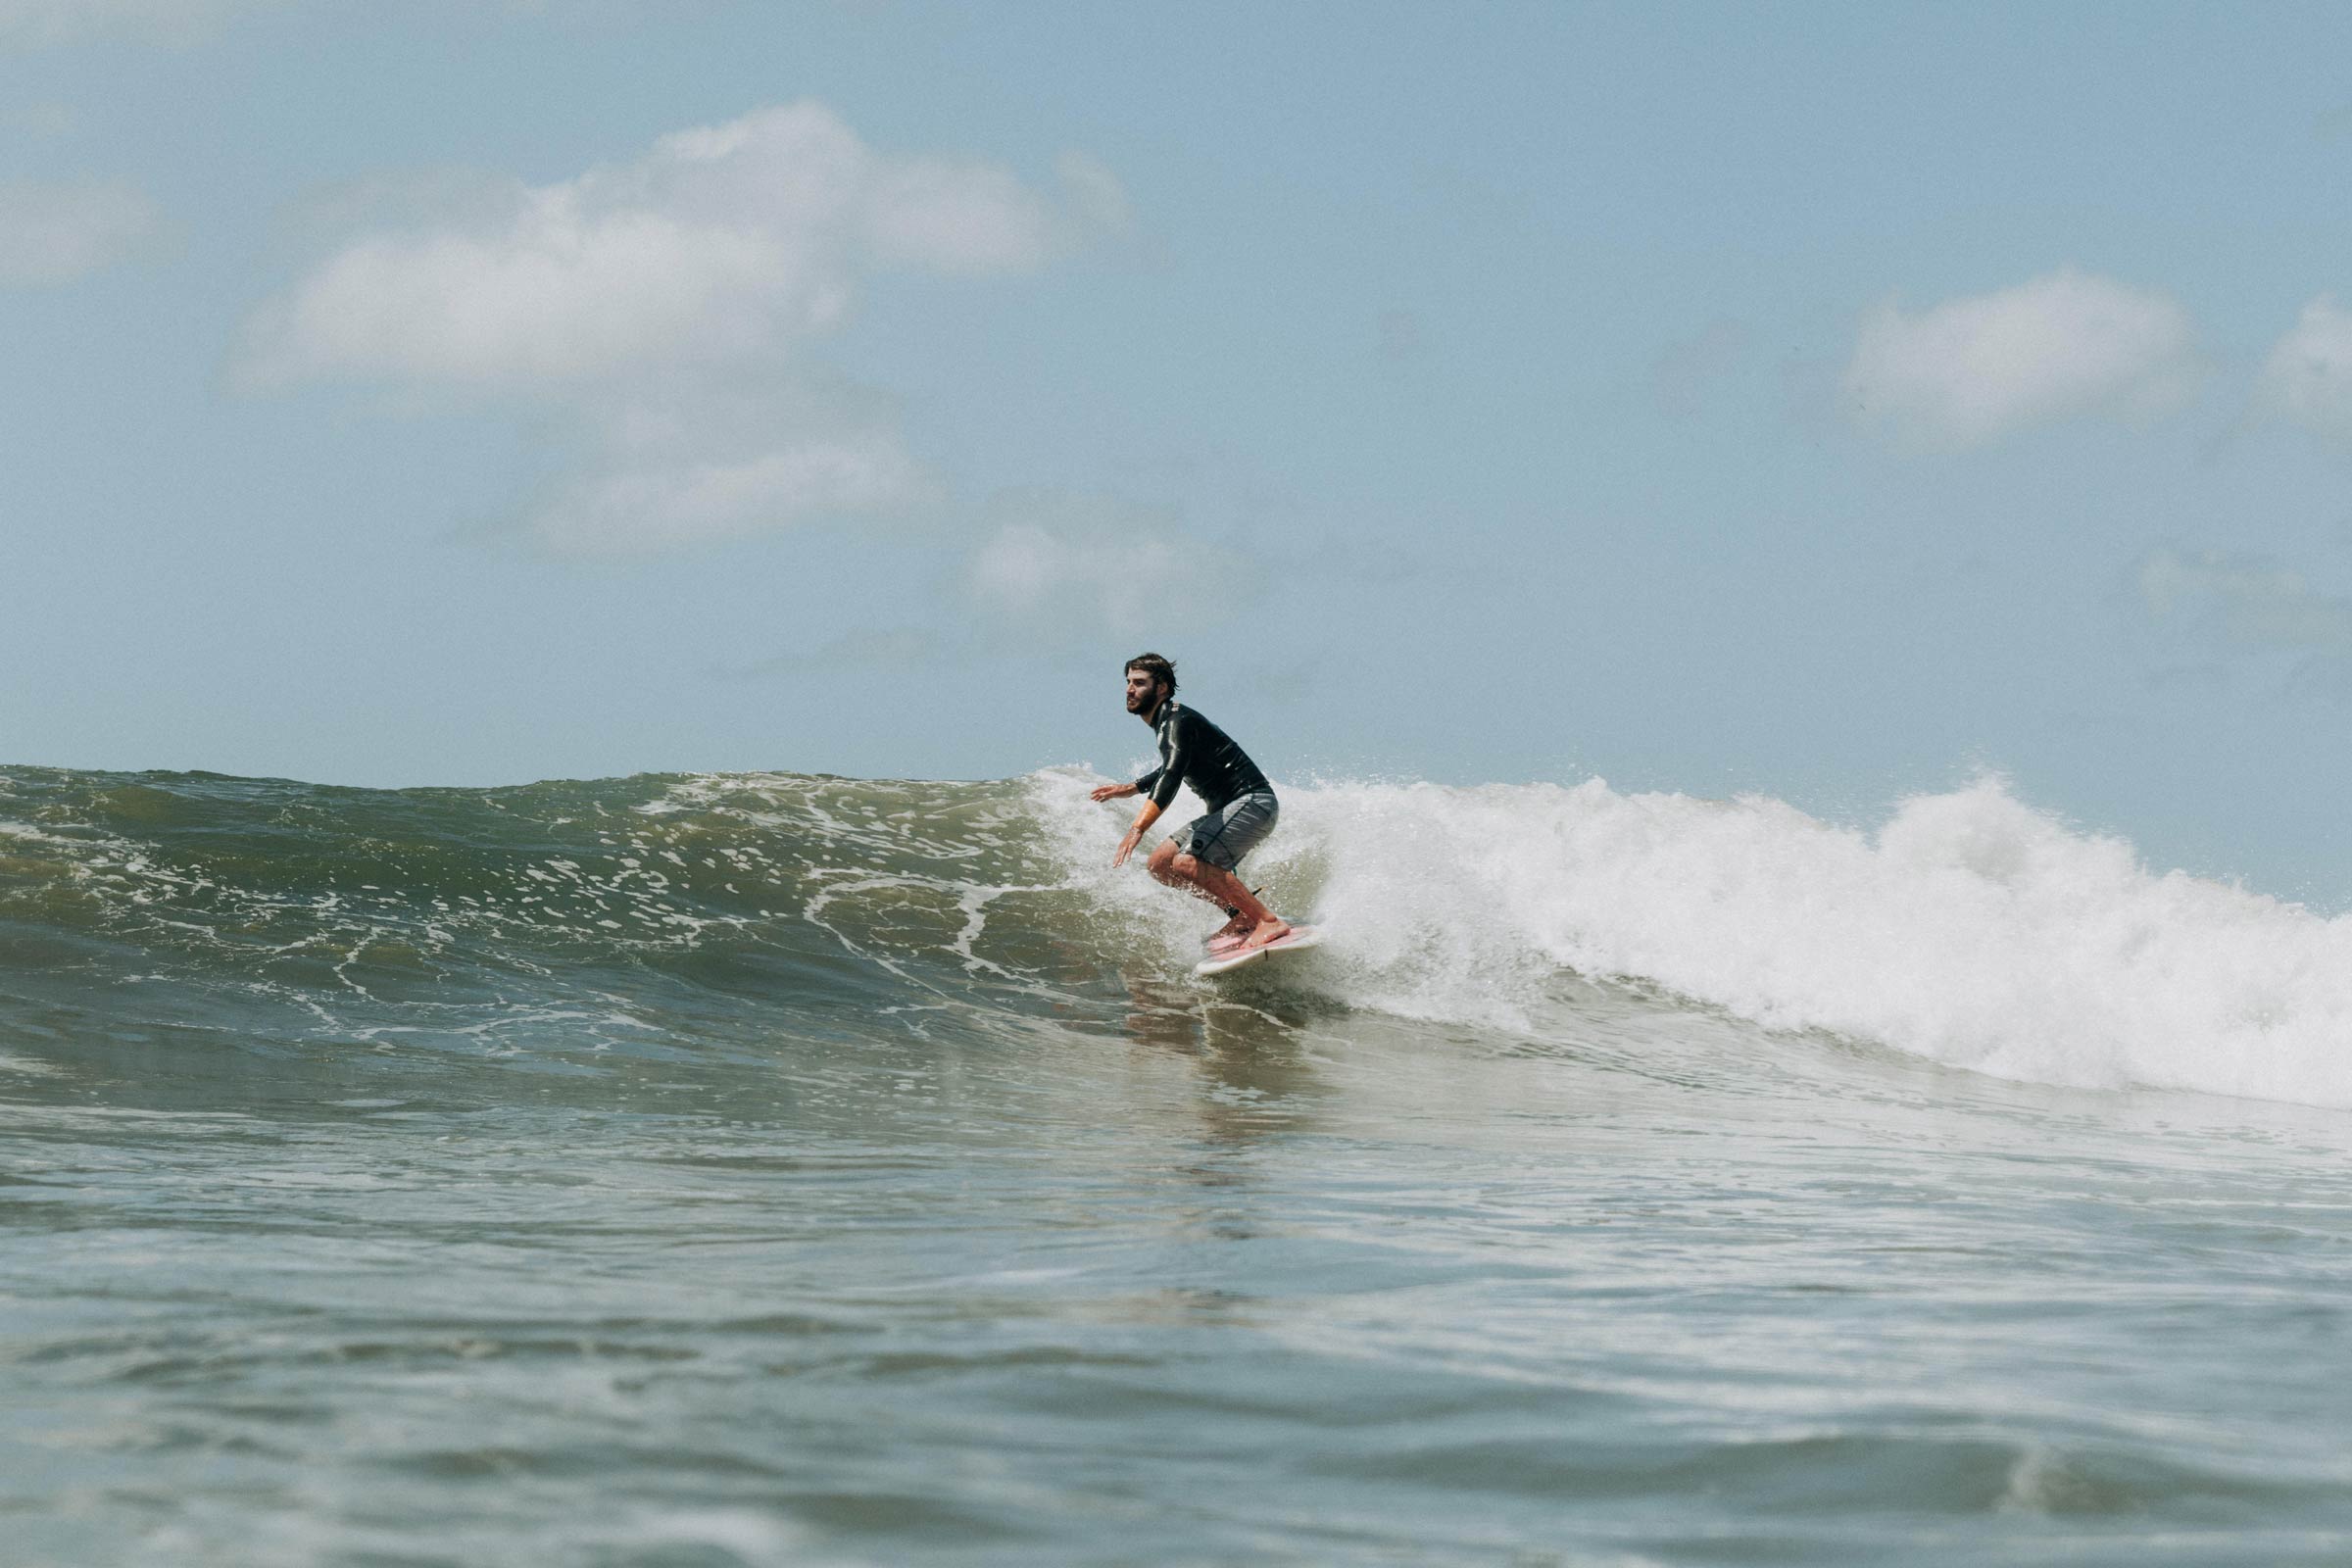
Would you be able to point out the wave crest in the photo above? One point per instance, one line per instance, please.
(1968, 928)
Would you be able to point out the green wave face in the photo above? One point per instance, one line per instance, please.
(763, 919)
(551, 926)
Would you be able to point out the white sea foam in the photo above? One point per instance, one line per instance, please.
(1968, 928)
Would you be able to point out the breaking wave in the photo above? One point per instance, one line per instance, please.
(668, 917)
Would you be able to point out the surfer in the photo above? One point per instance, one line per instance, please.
(1203, 857)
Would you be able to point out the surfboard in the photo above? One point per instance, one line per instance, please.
(1298, 939)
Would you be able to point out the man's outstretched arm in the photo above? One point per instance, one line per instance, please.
(1143, 819)
(1135, 835)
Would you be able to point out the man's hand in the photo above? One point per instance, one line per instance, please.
(1143, 820)
(1113, 792)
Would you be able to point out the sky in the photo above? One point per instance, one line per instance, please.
(1829, 402)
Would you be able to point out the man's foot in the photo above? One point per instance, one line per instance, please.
(1273, 930)
(1228, 935)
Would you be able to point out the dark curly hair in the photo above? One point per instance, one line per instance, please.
(1158, 669)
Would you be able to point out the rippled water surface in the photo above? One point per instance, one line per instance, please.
(778, 1170)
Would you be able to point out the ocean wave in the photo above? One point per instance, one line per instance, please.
(643, 914)
(1968, 928)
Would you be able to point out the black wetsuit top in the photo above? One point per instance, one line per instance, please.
(1195, 752)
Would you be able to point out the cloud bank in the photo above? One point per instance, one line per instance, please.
(670, 302)
(2307, 379)
(1057, 562)
(1966, 372)
(54, 233)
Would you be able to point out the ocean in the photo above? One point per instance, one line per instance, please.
(771, 1169)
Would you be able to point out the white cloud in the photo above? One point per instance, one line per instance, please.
(1970, 370)
(560, 301)
(660, 505)
(53, 233)
(702, 270)
(721, 243)
(1033, 573)
(2245, 599)
(2308, 377)
(32, 23)
(1060, 561)
(689, 457)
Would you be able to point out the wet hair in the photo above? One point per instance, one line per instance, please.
(1158, 669)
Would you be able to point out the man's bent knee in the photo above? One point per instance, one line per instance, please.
(1163, 855)
(1188, 866)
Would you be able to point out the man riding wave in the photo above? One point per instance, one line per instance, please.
(1204, 856)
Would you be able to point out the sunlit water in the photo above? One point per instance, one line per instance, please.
(774, 1170)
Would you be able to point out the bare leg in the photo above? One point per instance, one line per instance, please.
(1232, 891)
(1219, 887)
(1167, 867)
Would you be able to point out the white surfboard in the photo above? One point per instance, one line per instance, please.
(1298, 939)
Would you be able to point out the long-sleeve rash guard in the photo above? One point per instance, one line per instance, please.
(1195, 752)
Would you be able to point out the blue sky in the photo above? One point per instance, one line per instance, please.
(1826, 402)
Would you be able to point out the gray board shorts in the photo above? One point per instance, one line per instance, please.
(1223, 836)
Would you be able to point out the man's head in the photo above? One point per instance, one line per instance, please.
(1150, 681)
